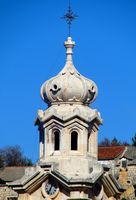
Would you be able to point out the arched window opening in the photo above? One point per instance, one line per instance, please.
(57, 140)
(74, 140)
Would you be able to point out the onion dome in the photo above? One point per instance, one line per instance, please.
(69, 86)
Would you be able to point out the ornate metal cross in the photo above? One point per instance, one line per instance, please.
(69, 16)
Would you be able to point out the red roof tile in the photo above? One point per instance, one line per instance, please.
(107, 153)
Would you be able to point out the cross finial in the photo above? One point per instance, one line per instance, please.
(69, 16)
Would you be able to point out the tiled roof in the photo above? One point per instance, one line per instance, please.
(12, 173)
(130, 152)
(108, 153)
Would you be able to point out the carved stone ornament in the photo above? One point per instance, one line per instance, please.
(69, 86)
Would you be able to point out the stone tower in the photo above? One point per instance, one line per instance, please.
(68, 168)
(68, 132)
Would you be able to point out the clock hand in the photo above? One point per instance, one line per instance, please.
(50, 188)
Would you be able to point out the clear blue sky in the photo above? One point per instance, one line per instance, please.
(31, 51)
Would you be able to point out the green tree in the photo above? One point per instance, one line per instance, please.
(105, 142)
(115, 142)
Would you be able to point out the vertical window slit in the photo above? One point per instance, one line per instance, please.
(74, 140)
(57, 140)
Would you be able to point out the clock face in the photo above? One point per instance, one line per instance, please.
(51, 187)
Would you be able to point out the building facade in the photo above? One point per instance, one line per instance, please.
(121, 161)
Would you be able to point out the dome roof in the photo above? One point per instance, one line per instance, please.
(69, 86)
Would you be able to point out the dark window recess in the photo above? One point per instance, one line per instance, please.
(56, 140)
(12, 198)
(74, 140)
(97, 189)
(124, 163)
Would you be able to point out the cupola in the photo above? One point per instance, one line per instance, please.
(69, 86)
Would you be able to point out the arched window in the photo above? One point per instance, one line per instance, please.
(74, 140)
(57, 140)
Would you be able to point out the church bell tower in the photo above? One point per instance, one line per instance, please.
(68, 129)
(68, 132)
(68, 167)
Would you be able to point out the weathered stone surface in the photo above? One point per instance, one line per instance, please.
(6, 192)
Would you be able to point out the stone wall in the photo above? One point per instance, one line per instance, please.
(6, 192)
(132, 174)
(127, 178)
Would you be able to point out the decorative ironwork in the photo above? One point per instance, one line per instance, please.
(69, 17)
